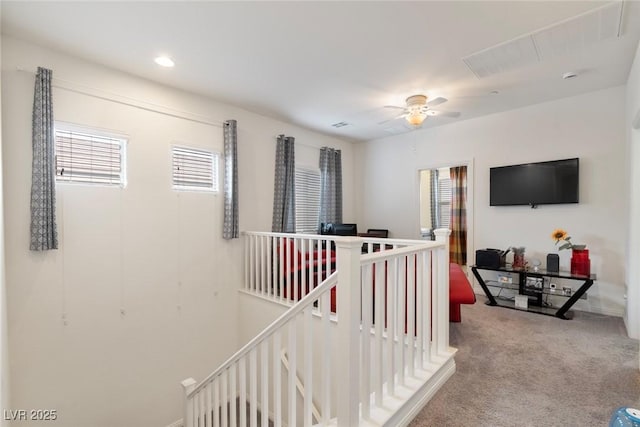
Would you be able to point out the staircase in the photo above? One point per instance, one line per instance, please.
(365, 338)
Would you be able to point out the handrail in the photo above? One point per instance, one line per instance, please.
(370, 258)
(296, 309)
(336, 237)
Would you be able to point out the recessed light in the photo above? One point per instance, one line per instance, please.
(569, 75)
(164, 61)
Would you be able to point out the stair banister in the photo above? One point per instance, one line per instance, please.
(268, 331)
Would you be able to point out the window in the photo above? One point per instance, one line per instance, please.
(444, 199)
(89, 156)
(194, 169)
(307, 183)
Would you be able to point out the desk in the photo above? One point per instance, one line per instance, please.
(535, 295)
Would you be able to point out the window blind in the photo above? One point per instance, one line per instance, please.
(194, 169)
(86, 158)
(444, 204)
(307, 182)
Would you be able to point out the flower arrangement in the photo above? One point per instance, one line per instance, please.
(560, 235)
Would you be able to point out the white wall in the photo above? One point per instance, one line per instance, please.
(579, 126)
(633, 253)
(4, 334)
(154, 254)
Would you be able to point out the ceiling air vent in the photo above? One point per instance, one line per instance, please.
(340, 125)
(566, 37)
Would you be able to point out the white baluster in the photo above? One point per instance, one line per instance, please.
(253, 389)
(277, 380)
(215, 384)
(308, 375)
(303, 268)
(378, 362)
(263, 264)
(411, 312)
(291, 387)
(426, 296)
(209, 406)
(264, 369)
(402, 319)
(233, 391)
(245, 251)
(270, 270)
(224, 397)
(367, 311)
(391, 325)
(242, 377)
(281, 264)
(196, 408)
(326, 358)
(420, 286)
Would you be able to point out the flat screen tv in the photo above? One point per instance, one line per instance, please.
(336, 229)
(533, 184)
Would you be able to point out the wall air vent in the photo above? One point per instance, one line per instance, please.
(570, 36)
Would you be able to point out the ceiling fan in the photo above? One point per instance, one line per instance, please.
(418, 108)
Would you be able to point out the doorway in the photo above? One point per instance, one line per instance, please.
(444, 203)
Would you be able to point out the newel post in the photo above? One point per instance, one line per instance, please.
(441, 306)
(187, 405)
(348, 331)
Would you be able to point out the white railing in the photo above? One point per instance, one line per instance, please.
(388, 333)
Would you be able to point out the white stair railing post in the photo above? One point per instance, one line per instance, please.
(348, 330)
(187, 406)
(442, 292)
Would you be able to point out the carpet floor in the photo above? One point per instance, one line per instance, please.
(515, 368)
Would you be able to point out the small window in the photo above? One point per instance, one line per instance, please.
(307, 183)
(194, 169)
(89, 157)
(444, 201)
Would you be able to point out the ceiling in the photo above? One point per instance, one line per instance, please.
(315, 64)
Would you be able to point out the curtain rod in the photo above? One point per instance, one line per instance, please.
(125, 100)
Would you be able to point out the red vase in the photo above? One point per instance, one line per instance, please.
(580, 262)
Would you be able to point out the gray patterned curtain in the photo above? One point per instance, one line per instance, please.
(284, 196)
(330, 185)
(231, 228)
(44, 235)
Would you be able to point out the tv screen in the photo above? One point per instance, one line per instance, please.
(336, 229)
(533, 184)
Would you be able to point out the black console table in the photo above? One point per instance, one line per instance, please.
(534, 295)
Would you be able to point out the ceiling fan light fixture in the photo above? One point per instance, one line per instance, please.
(416, 112)
(416, 117)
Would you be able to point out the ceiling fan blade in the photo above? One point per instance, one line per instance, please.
(437, 101)
(447, 113)
(392, 119)
(394, 106)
